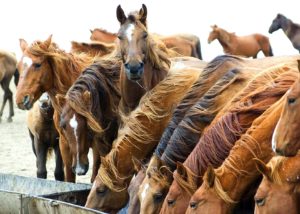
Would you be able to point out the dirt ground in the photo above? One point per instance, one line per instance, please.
(16, 156)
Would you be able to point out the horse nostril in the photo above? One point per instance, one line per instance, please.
(279, 152)
(127, 66)
(193, 204)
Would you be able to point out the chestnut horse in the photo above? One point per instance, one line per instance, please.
(186, 136)
(137, 139)
(183, 44)
(89, 115)
(50, 70)
(93, 48)
(286, 136)
(279, 191)
(224, 187)
(8, 68)
(290, 29)
(220, 136)
(247, 46)
(44, 137)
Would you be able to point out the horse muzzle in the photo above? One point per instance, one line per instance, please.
(26, 103)
(80, 169)
(134, 71)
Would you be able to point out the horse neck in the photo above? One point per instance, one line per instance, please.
(287, 27)
(224, 38)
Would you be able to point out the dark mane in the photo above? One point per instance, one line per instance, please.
(209, 76)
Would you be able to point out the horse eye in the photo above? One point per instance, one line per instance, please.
(145, 35)
(36, 65)
(171, 202)
(193, 204)
(120, 37)
(291, 100)
(101, 190)
(158, 196)
(260, 201)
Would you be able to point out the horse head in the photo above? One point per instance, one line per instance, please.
(37, 77)
(214, 34)
(133, 41)
(276, 23)
(286, 135)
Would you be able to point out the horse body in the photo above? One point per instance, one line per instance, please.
(8, 68)
(44, 136)
(290, 29)
(50, 70)
(247, 46)
(279, 191)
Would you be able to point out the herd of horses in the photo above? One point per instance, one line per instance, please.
(169, 133)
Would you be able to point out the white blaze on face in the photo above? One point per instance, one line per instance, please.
(274, 136)
(129, 32)
(178, 65)
(27, 61)
(74, 124)
(145, 190)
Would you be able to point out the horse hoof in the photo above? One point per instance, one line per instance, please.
(9, 120)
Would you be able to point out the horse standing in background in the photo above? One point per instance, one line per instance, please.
(290, 29)
(93, 48)
(8, 68)
(247, 46)
(101, 35)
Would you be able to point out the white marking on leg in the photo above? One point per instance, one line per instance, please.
(129, 31)
(145, 190)
(274, 136)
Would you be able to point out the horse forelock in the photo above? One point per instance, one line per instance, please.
(187, 184)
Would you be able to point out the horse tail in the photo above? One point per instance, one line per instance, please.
(198, 49)
(270, 51)
(16, 76)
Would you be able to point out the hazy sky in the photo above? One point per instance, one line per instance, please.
(71, 20)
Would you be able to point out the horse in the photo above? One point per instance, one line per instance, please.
(286, 135)
(217, 139)
(279, 191)
(44, 137)
(137, 138)
(93, 48)
(186, 136)
(224, 187)
(89, 115)
(8, 69)
(101, 35)
(247, 46)
(50, 70)
(183, 44)
(290, 29)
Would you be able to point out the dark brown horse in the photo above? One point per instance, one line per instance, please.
(50, 70)
(137, 139)
(224, 188)
(89, 115)
(8, 69)
(44, 137)
(290, 29)
(247, 46)
(286, 136)
(93, 48)
(220, 136)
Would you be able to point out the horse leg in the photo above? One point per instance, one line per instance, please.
(32, 142)
(67, 159)
(7, 96)
(41, 149)
(59, 167)
(96, 162)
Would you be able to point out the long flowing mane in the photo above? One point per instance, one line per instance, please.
(64, 65)
(102, 81)
(221, 135)
(136, 138)
(208, 77)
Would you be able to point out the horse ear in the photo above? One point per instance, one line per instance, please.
(121, 15)
(137, 164)
(263, 168)
(181, 170)
(210, 176)
(23, 44)
(86, 96)
(213, 26)
(298, 64)
(48, 41)
(143, 14)
(155, 162)
(91, 31)
(164, 170)
(60, 99)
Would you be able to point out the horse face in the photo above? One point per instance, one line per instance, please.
(276, 24)
(275, 198)
(46, 107)
(74, 127)
(214, 34)
(104, 199)
(133, 40)
(286, 136)
(34, 81)
(207, 201)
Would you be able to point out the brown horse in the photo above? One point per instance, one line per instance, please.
(290, 29)
(50, 70)
(44, 137)
(220, 136)
(186, 136)
(89, 115)
(286, 136)
(93, 48)
(8, 68)
(183, 44)
(137, 139)
(247, 46)
(279, 191)
(224, 187)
